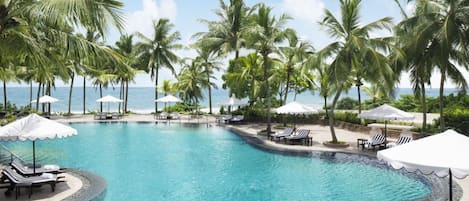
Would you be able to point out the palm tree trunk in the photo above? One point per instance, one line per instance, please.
(209, 94)
(442, 85)
(359, 99)
(30, 94)
(100, 95)
(38, 94)
(331, 115)
(267, 93)
(43, 93)
(325, 104)
(72, 79)
(121, 96)
(4, 95)
(288, 85)
(126, 95)
(48, 93)
(156, 90)
(424, 107)
(84, 94)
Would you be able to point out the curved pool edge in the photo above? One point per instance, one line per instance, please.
(438, 186)
(93, 189)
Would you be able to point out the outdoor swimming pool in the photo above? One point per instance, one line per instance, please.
(148, 161)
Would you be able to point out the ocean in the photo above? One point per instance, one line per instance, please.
(141, 99)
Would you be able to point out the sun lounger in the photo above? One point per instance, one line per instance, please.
(174, 115)
(29, 171)
(115, 115)
(163, 115)
(376, 140)
(300, 135)
(286, 132)
(17, 181)
(236, 119)
(226, 118)
(402, 140)
(100, 116)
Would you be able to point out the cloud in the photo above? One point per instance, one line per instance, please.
(142, 20)
(308, 10)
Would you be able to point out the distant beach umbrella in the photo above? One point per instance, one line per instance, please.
(109, 99)
(295, 108)
(443, 154)
(168, 99)
(387, 113)
(34, 127)
(46, 99)
(232, 101)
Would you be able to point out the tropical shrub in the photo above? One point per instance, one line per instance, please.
(347, 103)
(457, 119)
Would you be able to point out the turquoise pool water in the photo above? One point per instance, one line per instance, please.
(149, 161)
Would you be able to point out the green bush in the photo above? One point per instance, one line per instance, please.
(457, 119)
(349, 117)
(347, 103)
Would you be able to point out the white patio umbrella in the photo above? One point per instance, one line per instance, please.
(168, 99)
(34, 127)
(46, 99)
(109, 99)
(295, 108)
(232, 102)
(443, 154)
(386, 112)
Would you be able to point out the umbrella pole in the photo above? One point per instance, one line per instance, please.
(450, 185)
(34, 157)
(385, 133)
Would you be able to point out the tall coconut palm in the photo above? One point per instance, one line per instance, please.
(267, 33)
(7, 73)
(210, 64)
(228, 34)
(126, 48)
(293, 56)
(158, 52)
(354, 48)
(440, 28)
(191, 82)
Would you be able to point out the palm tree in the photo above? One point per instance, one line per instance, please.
(210, 64)
(158, 52)
(267, 33)
(18, 26)
(440, 28)
(353, 49)
(7, 73)
(125, 47)
(229, 33)
(191, 82)
(294, 55)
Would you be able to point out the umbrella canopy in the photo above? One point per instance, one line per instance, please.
(295, 108)
(386, 112)
(46, 99)
(233, 101)
(109, 99)
(444, 154)
(34, 127)
(168, 99)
